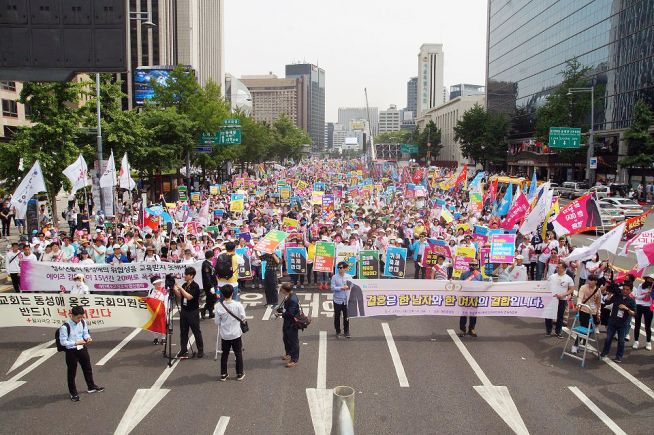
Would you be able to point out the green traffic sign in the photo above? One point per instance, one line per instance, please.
(208, 139)
(232, 121)
(565, 137)
(409, 148)
(229, 136)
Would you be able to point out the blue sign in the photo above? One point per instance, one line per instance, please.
(395, 264)
(296, 260)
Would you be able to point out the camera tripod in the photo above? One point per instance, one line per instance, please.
(170, 312)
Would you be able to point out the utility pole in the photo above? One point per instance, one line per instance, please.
(99, 135)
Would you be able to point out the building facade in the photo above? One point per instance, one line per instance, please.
(273, 97)
(430, 77)
(314, 77)
(446, 117)
(390, 119)
(466, 89)
(530, 43)
(13, 114)
(349, 114)
(412, 95)
(238, 95)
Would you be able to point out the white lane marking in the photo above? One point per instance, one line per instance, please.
(221, 427)
(598, 412)
(30, 353)
(267, 314)
(44, 354)
(473, 364)
(647, 390)
(118, 347)
(169, 370)
(395, 356)
(321, 378)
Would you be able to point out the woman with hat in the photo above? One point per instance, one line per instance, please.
(643, 295)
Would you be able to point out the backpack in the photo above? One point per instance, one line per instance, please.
(224, 268)
(61, 347)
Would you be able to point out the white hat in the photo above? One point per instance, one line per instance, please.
(651, 275)
(116, 247)
(79, 276)
(519, 257)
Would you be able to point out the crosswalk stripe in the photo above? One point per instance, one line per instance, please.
(598, 412)
(395, 356)
(221, 427)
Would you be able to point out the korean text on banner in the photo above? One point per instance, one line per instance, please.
(51, 310)
(244, 267)
(462, 259)
(368, 264)
(395, 265)
(271, 241)
(325, 257)
(45, 276)
(502, 248)
(347, 254)
(416, 297)
(296, 260)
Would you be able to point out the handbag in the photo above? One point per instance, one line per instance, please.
(301, 320)
(244, 323)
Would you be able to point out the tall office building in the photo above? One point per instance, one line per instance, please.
(273, 97)
(412, 95)
(314, 77)
(612, 38)
(349, 114)
(464, 89)
(189, 34)
(390, 119)
(430, 77)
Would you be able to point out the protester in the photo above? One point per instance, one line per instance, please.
(643, 297)
(340, 286)
(229, 315)
(79, 287)
(589, 302)
(472, 274)
(74, 337)
(624, 307)
(561, 286)
(12, 264)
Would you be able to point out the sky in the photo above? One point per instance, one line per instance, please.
(360, 44)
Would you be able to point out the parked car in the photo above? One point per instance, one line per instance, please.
(628, 207)
(600, 192)
(609, 214)
(603, 191)
(555, 188)
(573, 189)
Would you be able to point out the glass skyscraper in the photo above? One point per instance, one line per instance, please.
(315, 77)
(530, 42)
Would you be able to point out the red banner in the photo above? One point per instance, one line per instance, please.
(634, 224)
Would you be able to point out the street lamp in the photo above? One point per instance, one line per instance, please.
(590, 173)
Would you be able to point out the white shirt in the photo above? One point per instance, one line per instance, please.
(559, 284)
(79, 289)
(13, 261)
(228, 327)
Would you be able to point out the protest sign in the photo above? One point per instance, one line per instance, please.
(287, 222)
(237, 202)
(245, 269)
(502, 249)
(214, 189)
(368, 264)
(464, 255)
(51, 310)
(316, 198)
(416, 297)
(347, 254)
(46, 276)
(296, 260)
(325, 257)
(271, 241)
(395, 263)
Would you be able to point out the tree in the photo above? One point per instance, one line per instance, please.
(430, 134)
(288, 139)
(172, 133)
(57, 117)
(482, 136)
(640, 152)
(393, 137)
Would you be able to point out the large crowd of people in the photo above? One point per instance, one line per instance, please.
(370, 208)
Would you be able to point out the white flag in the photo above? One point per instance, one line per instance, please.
(537, 215)
(77, 173)
(639, 241)
(32, 184)
(108, 178)
(125, 179)
(609, 242)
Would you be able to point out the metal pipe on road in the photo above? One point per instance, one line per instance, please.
(343, 411)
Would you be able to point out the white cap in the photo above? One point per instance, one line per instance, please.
(116, 247)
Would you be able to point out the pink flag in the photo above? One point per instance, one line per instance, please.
(645, 255)
(580, 215)
(516, 212)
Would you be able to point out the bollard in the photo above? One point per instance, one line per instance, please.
(343, 411)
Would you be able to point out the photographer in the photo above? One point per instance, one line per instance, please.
(189, 315)
(229, 329)
(624, 307)
(289, 308)
(74, 336)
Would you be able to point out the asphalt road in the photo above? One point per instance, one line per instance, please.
(427, 386)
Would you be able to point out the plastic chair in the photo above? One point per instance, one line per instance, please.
(586, 335)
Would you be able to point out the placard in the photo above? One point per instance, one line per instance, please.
(325, 257)
(296, 260)
(395, 264)
(502, 248)
(368, 264)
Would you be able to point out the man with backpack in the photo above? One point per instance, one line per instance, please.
(208, 285)
(227, 268)
(73, 337)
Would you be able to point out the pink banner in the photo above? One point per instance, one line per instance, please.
(578, 216)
